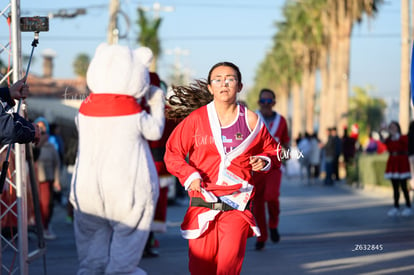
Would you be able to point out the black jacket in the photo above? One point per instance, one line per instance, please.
(13, 127)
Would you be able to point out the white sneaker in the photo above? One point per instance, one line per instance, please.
(49, 235)
(393, 212)
(407, 212)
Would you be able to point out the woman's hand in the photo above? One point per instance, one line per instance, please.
(195, 185)
(257, 163)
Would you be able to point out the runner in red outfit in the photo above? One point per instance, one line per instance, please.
(268, 185)
(217, 175)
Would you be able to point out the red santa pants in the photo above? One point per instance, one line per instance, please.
(267, 190)
(221, 249)
(46, 202)
(162, 204)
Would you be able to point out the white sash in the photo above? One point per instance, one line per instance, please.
(238, 199)
(275, 124)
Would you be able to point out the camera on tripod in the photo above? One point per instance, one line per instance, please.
(34, 24)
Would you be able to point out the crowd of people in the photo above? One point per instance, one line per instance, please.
(226, 156)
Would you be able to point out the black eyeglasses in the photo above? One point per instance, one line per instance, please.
(266, 101)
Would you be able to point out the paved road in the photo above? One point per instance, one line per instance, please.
(324, 230)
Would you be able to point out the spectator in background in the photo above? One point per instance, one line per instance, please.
(57, 141)
(375, 145)
(329, 155)
(348, 150)
(397, 168)
(305, 147)
(315, 157)
(338, 151)
(48, 176)
(372, 145)
(348, 146)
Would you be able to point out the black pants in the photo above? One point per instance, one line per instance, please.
(396, 185)
(335, 168)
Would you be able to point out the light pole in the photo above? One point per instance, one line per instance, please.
(179, 74)
(112, 34)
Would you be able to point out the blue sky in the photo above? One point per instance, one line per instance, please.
(207, 32)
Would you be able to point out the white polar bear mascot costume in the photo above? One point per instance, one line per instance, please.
(115, 184)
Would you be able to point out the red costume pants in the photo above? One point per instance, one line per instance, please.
(221, 249)
(162, 204)
(46, 202)
(267, 190)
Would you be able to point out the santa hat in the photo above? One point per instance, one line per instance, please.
(117, 69)
(354, 131)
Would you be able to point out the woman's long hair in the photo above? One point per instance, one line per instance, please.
(186, 99)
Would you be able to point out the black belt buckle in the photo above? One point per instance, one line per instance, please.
(217, 206)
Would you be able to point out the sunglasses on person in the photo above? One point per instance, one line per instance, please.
(266, 101)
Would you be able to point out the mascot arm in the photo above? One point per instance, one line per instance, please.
(152, 124)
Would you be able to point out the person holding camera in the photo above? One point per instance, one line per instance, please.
(15, 128)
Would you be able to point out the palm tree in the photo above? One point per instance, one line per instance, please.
(81, 63)
(315, 37)
(309, 34)
(148, 36)
(340, 18)
(366, 111)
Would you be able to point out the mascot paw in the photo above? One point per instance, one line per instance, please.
(156, 96)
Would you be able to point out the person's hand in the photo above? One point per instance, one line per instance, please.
(19, 89)
(257, 163)
(56, 186)
(195, 185)
(155, 96)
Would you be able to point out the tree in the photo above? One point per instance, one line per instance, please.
(81, 63)
(315, 36)
(148, 36)
(366, 111)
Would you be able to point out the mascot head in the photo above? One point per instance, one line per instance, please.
(117, 69)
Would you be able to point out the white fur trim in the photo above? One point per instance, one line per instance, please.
(397, 175)
(192, 177)
(203, 221)
(256, 231)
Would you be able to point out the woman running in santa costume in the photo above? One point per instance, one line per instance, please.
(213, 152)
